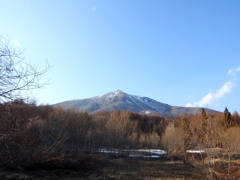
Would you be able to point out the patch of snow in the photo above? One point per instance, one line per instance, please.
(96, 97)
(148, 102)
(107, 97)
(152, 156)
(147, 112)
(139, 98)
(108, 151)
(116, 92)
(156, 153)
(145, 100)
(129, 102)
(195, 151)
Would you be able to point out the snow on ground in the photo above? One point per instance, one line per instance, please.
(195, 151)
(153, 153)
(108, 151)
(147, 112)
(150, 156)
(129, 102)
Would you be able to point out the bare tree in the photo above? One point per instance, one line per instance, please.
(186, 134)
(16, 74)
(231, 142)
(171, 141)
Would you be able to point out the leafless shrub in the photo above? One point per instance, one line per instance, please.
(172, 141)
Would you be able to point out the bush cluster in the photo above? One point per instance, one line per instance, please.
(33, 135)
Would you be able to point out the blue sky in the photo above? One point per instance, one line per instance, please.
(184, 53)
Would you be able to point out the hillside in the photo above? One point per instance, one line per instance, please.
(118, 100)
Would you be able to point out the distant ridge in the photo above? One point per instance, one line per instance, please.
(119, 100)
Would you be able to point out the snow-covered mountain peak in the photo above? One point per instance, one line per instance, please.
(116, 92)
(119, 100)
(112, 93)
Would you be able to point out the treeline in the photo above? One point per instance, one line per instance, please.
(201, 131)
(216, 138)
(35, 136)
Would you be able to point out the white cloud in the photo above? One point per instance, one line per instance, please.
(233, 72)
(16, 43)
(189, 105)
(210, 98)
(226, 88)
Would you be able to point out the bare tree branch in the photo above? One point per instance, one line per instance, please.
(16, 74)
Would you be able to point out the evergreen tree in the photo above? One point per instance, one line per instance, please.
(227, 121)
(203, 130)
(187, 134)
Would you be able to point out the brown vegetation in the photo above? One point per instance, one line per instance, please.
(37, 135)
(208, 133)
(43, 137)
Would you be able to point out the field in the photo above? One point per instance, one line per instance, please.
(104, 166)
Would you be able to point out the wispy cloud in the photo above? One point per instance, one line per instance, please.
(233, 72)
(16, 43)
(212, 97)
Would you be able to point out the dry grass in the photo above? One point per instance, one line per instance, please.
(105, 167)
(135, 168)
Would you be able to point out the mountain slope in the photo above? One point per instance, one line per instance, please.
(118, 100)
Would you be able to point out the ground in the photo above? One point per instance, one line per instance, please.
(107, 167)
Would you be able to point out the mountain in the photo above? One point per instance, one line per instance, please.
(118, 100)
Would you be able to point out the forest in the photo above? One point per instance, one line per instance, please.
(40, 136)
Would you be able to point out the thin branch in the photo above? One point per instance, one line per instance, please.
(17, 75)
